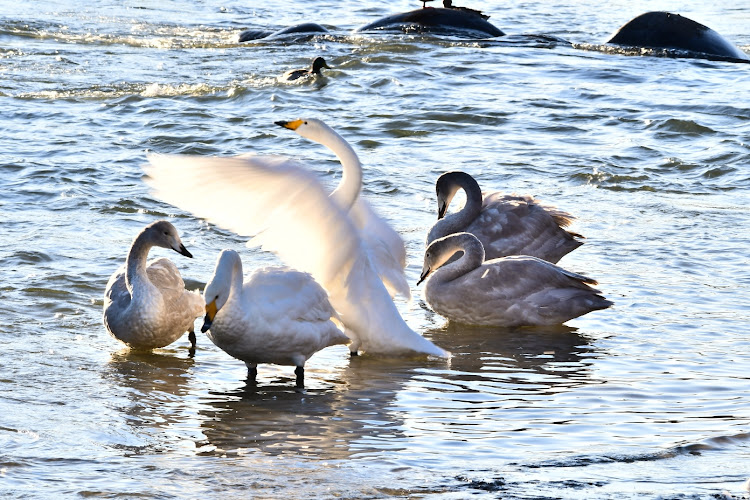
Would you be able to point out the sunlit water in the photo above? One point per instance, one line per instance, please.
(646, 399)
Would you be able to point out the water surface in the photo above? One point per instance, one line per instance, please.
(645, 400)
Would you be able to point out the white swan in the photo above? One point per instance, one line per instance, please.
(385, 245)
(146, 306)
(505, 224)
(297, 220)
(510, 291)
(278, 315)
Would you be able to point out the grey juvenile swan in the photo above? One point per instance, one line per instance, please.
(146, 305)
(510, 291)
(505, 224)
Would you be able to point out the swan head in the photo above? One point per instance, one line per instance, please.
(435, 256)
(217, 291)
(309, 128)
(448, 184)
(163, 234)
(442, 249)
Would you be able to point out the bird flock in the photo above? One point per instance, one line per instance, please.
(491, 263)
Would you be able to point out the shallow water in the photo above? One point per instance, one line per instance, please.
(645, 400)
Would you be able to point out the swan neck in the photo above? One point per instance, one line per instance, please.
(135, 264)
(450, 224)
(473, 198)
(235, 287)
(472, 258)
(350, 186)
(227, 281)
(458, 221)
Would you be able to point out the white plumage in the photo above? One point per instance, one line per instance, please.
(505, 224)
(308, 230)
(277, 315)
(146, 305)
(509, 291)
(385, 246)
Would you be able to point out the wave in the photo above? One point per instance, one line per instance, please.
(141, 34)
(654, 52)
(718, 444)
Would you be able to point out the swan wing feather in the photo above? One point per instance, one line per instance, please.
(269, 196)
(385, 247)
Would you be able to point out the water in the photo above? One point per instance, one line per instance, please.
(644, 400)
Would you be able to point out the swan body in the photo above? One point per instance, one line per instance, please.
(385, 245)
(510, 291)
(146, 305)
(289, 212)
(505, 224)
(314, 70)
(277, 315)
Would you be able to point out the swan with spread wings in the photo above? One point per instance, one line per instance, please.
(287, 210)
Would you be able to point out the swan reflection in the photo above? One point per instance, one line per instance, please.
(155, 385)
(559, 353)
(353, 415)
(356, 407)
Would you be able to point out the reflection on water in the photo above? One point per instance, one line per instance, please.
(360, 408)
(364, 407)
(325, 423)
(656, 175)
(154, 402)
(555, 352)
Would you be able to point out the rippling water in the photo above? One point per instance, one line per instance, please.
(647, 399)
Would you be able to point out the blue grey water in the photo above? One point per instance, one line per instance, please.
(648, 399)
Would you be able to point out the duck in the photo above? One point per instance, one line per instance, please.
(278, 315)
(314, 70)
(448, 4)
(505, 224)
(284, 208)
(517, 290)
(386, 247)
(146, 305)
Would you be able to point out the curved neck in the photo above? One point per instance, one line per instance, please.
(472, 258)
(236, 278)
(135, 264)
(226, 284)
(459, 221)
(348, 189)
(450, 224)
(473, 196)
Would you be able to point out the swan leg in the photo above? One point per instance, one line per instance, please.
(300, 372)
(192, 339)
(252, 373)
(354, 345)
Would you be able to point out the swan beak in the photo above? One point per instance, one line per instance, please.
(210, 315)
(442, 207)
(425, 273)
(184, 251)
(291, 125)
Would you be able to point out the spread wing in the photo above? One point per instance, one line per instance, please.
(270, 197)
